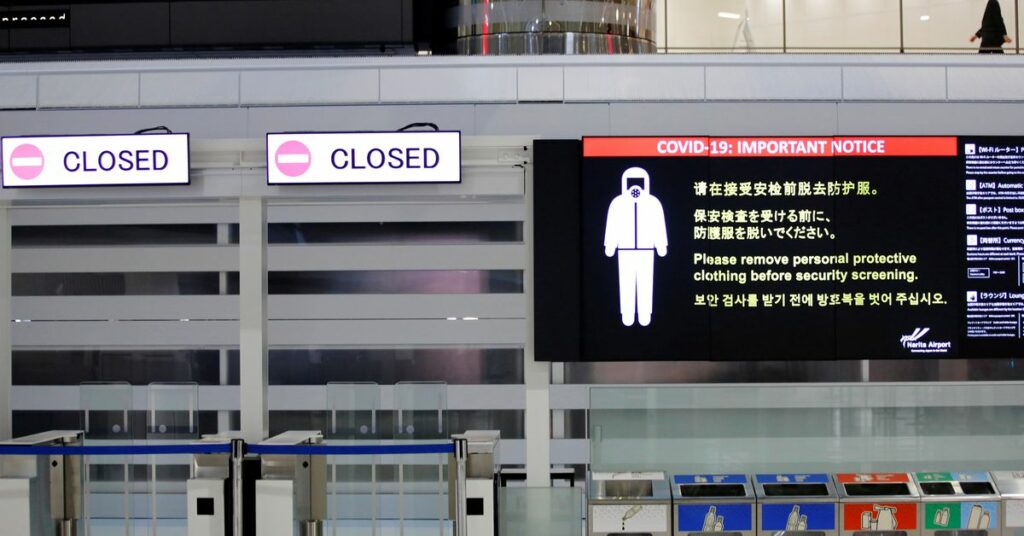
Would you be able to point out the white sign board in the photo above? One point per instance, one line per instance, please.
(364, 158)
(101, 160)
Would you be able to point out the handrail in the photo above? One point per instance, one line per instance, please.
(225, 448)
(779, 49)
(353, 450)
(115, 450)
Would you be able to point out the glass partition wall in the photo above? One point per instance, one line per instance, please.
(787, 428)
(871, 26)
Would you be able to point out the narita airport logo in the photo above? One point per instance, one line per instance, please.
(916, 345)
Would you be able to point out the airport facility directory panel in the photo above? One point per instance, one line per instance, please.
(779, 248)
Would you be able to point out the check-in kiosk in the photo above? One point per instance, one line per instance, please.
(42, 495)
(958, 503)
(718, 503)
(629, 503)
(877, 504)
(796, 504)
(1010, 485)
(291, 495)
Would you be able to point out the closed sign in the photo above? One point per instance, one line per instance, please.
(116, 160)
(364, 158)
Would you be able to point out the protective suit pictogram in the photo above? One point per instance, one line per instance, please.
(636, 230)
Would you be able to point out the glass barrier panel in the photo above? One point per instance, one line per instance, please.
(555, 511)
(173, 412)
(172, 416)
(749, 428)
(110, 490)
(420, 415)
(353, 419)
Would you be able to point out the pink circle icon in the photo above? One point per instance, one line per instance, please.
(293, 158)
(26, 161)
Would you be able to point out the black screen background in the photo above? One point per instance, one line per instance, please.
(917, 211)
(677, 331)
(771, 333)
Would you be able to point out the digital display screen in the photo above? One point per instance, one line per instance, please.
(695, 248)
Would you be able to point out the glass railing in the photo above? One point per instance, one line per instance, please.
(550, 511)
(757, 428)
(854, 26)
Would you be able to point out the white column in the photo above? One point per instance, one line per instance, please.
(538, 423)
(223, 416)
(536, 375)
(252, 299)
(558, 415)
(5, 323)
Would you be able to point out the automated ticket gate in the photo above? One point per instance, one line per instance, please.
(476, 460)
(877, 504)
(958, 503)
(25, 487)
(796, 504)
(213, 495)
(629, 503)
(291, 495)
(1010, 485)
(720, 504)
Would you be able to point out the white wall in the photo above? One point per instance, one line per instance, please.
(251, 95)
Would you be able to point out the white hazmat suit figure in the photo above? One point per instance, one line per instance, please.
(636, 230)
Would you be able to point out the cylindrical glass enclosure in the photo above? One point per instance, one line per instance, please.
(506, 27)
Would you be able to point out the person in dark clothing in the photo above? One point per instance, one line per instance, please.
(993, 30)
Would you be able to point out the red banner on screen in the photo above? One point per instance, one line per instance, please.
(668, 146)
(770, 147)
(896, 146)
